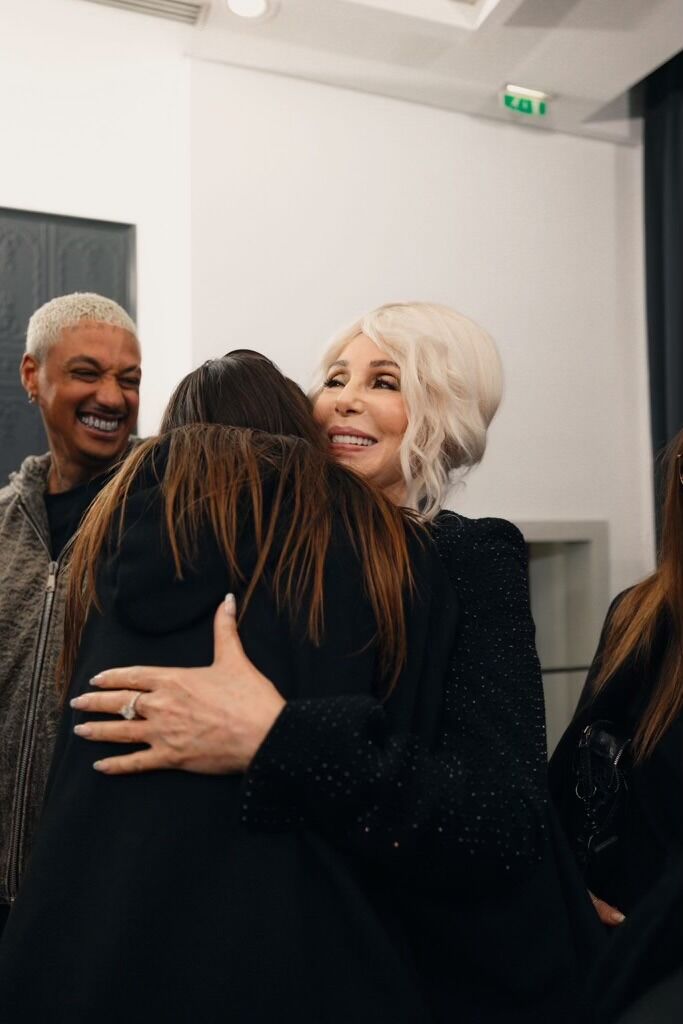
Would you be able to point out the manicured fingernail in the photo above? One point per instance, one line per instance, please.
(95, 681)
(230, 604)
(75, 703)
(99, 766)
(82, 730)
(617, 916)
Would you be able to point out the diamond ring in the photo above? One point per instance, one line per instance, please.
(128, 710)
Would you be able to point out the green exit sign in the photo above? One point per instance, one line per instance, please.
(526, 101)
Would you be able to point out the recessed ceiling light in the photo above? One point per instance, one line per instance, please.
(251, 8)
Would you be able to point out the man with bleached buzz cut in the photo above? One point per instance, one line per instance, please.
(82, 369)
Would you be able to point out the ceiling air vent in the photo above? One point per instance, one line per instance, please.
(174, 10)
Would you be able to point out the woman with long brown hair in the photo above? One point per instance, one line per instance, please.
(617, 774)
(151, 898)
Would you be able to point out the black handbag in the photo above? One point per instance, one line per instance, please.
(602, 788)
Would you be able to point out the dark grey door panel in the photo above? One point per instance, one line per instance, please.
(42, 256)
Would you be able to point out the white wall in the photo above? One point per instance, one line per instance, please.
(94, 109)
(310, 204)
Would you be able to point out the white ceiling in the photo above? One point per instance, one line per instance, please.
(457, 54)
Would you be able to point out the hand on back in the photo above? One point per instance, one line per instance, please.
(208, 720)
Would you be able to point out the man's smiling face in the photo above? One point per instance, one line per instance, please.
(87, 387)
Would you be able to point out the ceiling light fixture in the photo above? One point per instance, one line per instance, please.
(254, 9)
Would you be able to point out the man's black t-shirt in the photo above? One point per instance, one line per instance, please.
(65, 511)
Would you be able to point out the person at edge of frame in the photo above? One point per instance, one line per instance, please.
(81, 367)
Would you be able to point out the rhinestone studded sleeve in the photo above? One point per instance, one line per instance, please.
(477, 800)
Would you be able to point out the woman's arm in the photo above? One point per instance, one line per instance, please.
(562, 766)
(474, 800)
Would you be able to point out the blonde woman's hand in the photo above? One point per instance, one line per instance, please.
(209, 720)
(608, 915)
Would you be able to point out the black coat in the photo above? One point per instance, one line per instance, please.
(378, 862)
(651, 823)
(642, 971)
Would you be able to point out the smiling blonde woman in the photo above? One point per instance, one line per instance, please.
(445, 375)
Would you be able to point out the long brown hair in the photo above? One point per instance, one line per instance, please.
(208, 473)
(637, 617)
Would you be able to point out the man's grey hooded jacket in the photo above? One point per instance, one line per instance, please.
(32, 595)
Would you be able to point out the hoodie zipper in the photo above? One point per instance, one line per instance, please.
(18, 823)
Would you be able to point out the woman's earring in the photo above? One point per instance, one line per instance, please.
(31, 398)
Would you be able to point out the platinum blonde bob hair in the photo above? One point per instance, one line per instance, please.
(452, 384)
(48, 322)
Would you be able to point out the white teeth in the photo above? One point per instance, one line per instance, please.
(93, 421)
(363, 442)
